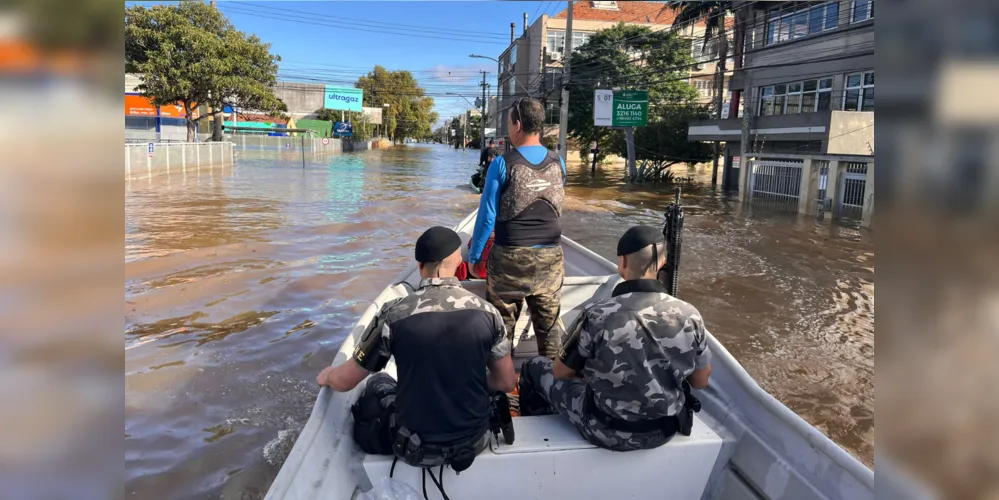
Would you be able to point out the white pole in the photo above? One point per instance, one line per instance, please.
(563, 122)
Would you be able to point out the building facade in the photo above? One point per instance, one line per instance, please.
(532, 63)
(145, 122)
(807, 84)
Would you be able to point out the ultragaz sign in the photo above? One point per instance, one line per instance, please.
(343, 98)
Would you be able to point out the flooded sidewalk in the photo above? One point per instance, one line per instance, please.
(241, 283)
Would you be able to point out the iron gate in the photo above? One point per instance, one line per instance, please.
(775, 183)
(852, 189)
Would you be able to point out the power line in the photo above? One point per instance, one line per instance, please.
(376, 24)
(283, 17)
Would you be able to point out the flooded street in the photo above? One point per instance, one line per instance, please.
(241, 283)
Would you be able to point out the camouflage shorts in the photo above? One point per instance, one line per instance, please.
(515, 275)
(567, 397)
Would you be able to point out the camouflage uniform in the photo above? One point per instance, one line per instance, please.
(515, 275)
(636, 348)
(443, 338)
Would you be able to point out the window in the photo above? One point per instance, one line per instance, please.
(513, 57)
(789, 24)
(556, 42)
(862, 10)
(806, 96)
(859, 92)
(697, 50)
(605, 5)
(511, 86)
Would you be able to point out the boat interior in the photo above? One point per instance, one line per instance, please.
(742, 445)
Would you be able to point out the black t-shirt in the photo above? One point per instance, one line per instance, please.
(443, 338)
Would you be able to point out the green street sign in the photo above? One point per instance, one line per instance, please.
(620, 108)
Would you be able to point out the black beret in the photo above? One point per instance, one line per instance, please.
(637, 238)
(436, 244)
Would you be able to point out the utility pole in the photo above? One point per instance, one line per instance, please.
(482, 116)
(464, 131)
(563, 122)
(544, 90)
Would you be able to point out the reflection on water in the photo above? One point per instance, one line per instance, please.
(241, 284)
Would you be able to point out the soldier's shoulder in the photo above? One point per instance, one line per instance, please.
(398, 307)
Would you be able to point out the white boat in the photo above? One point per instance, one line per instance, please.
(744, 445)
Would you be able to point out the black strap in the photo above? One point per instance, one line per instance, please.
(667, 425)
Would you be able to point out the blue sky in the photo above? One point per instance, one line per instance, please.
(336, 42)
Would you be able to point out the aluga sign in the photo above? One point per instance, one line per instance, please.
(620, 108)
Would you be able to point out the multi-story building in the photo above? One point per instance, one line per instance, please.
(807, 83)
(542, 44)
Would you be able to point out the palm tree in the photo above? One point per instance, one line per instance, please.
(713, 14)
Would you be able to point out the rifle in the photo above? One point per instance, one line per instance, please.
(669, 274)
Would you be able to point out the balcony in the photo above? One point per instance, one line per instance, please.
(841, 132)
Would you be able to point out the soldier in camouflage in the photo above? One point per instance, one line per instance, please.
(443, 339)
(634, 351)
(522, 202)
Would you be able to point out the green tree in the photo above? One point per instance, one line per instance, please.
(635, 58)
(190, 53)
(713, 14)
(410, 111)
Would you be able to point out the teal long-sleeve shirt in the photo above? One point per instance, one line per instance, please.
(489, 201)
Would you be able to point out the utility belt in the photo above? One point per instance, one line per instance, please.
(681, 422)
(409, 447)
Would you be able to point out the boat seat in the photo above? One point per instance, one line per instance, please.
(550, 459)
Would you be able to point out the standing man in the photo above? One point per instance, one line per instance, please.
(443, 339)
(522, 202)
(485, 154)
(637, 352)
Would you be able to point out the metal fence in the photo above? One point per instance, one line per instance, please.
(775, 183)
(852, 190)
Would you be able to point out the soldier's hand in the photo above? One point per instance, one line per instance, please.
(324, 376)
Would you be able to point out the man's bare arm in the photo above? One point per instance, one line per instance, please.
(699, 378)
(343, 377)
(502, 376)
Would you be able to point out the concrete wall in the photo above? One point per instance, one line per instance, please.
(851, 133)
(311, 145)
(302, 98)
(175, 157)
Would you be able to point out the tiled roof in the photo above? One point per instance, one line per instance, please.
(631, 12)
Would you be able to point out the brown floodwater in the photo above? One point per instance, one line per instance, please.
(241, 283)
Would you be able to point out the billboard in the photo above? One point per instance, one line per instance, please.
(343, 98)
(620, 108)
(137, 105)
(372, 115)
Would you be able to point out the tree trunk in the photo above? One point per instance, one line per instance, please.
(217, 125)
(189, 117)
(719, 88)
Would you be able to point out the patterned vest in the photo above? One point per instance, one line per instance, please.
(531, 202)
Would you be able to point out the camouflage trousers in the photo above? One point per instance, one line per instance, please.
(515, 275)
(540, 392)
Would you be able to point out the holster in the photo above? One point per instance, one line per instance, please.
(500, 419)
(691, 405)
(408, 446)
